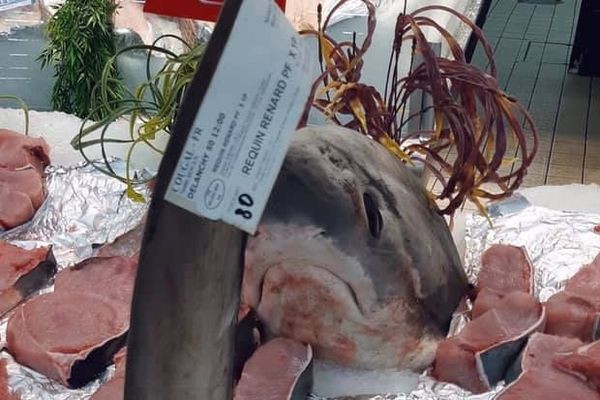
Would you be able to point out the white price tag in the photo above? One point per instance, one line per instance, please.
(244, 126)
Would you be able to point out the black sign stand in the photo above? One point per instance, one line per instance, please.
(482, 14)
(585, 57)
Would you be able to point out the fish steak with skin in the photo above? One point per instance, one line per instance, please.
(22, 163)
(537, 378)
(479, 356)
(72, 334)
(504, 269)
(22, 273)
(575, 311)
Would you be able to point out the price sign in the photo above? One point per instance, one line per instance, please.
(244, 124)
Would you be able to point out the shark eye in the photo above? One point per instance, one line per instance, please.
(374, 218)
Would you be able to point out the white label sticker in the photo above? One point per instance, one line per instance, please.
(245, 123)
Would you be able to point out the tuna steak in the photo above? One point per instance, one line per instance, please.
(537, 377)
(18, 151)
(111, 277)
(546, 386)
(72, 334)
(23, 272)
(479, 356)
(351, 256)
(539, 353)
(504, 269)
(21, 194)
(126, 245)
(575, 311)
(5, 393)
(583, 362)
(68, 337)
(279, 370)
(22, 162)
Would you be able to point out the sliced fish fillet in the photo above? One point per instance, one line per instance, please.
(19, 151)
(583, 362)
(575, 311)
(479, 356)
(534, 376)
(504, 269)
(274, 372)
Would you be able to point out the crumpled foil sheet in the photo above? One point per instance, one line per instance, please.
(428, 389)
(84, 209)
(559, 243)
(33, 386)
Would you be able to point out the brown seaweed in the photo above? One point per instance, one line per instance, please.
(475, 120)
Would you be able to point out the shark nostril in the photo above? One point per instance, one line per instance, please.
(374, 218)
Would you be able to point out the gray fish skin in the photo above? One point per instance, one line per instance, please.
(126, 245)
(185, 308)
(351, 257)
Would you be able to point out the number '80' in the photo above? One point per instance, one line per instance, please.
(245, 200)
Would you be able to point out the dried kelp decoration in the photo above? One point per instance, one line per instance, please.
(475, 121)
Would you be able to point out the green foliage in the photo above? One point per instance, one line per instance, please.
(81, 42)
(152, 108)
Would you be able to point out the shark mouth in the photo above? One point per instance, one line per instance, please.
(312, 305)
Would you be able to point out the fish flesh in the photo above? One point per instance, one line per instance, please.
(539, 354)
(583, 362)
(111, 277)
(22, 163)
(478, 357)
(351, 256)
(114, 389)
(25, 180)
(68, 337)
(575, 311)
(126, 245)
(21, 194)
(279, 370)
(15, 208)
(71, 334)
(504, 269)
(22, 273)
(18, 151)
(5, 393)
(534, 376)
(548, 386)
